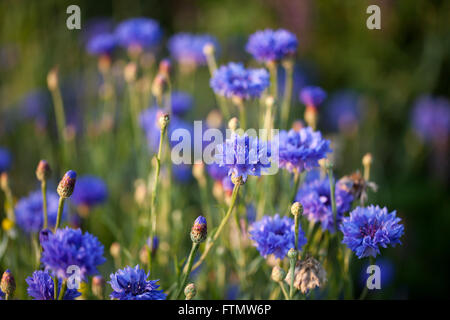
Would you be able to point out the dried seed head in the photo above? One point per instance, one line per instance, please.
(190, 291)
(278, 274)
(309, 274)
(67, 184)
(43, 171)
(199, 230)
(8, 284)
(297, 208)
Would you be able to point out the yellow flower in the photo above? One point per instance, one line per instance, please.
(7, 224)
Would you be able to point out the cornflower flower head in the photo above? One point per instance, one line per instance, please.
(431, 118)
(243, 155)
(29, 215)
(143, 33)
(235, 81)
(69, 247)
(367, 229)
(301, 150)
(132, 284)
(272, 45)
(275, 235)
(90, 191)
(101, 44)
(181, 102)
(5, 160)
(187, 48)
(41, 287)
(216, 172)
(316, 200)
(312, 96)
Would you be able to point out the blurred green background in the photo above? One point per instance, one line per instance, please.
(391, 67)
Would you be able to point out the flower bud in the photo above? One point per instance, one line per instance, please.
(43, 171)
(278, 274)
(164, 120)
(159, 85)
(270, 101)
(199, 230)
(130, 71)
(4, 181)
(367, 159)
(165, 66)
(67, 184)
(98, 286)
(233, 124)
(114, 250)
(190, 291)
(296, 208)
(292, 254)
(52, 79)
(208, 49)
(237, 180)
(8, 284)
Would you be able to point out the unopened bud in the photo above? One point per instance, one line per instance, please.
(114, 250)
(278, 274)
(43, 171)
(67, 184)
(270, 101)
(159, 85)
(190, 291)
(164, 120)
(237, 180)
(367, 159)
(292, 254)
(130, 71)
(52, 79)
(198, 171)
(233, 124)
(165, 66)
(208, 49)
(4, 181)
(8, 284)
(199, 230)
(98, 286)
(297, 208)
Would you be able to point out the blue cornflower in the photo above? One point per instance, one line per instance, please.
(272, 45)
(132, 284)
(316, 200)
(71, 247)
(101, 44)
(187, 48)
(243, 155)
(182, 172)
(431, 118)
(41, 287)
(367, 229)
(181, 102)
(300, 150)
(233, 80)
(90, 191)
(312, 96)
(343, 111)
(275, 235)
(142, 33)
(216, 171)
(5, 159)
(1, 295)
(29, 214)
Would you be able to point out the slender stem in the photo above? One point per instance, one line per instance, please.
(194, 249)
(242, 114)
(285, 108)
(210, 243)
(155, 190)
(292, 262)
(212, 66)
(297, 220)
(283, 289)
(333, 198)
(365, 291)
(62, 292)
(296, 184)
(44, 202)
(60, 210)
(273, 66)
(55, 287)
(60, 119)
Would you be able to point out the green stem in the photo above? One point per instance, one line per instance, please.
(55, 287)
(297, 219)
(285, 108)
(155, 190)
(292, 262)
(333, 198)
(60, 210)
(44, 202)
(283, 289)
(242, 114)
(60, 120)
(63, 290)
(194, 249)
(211, 242)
